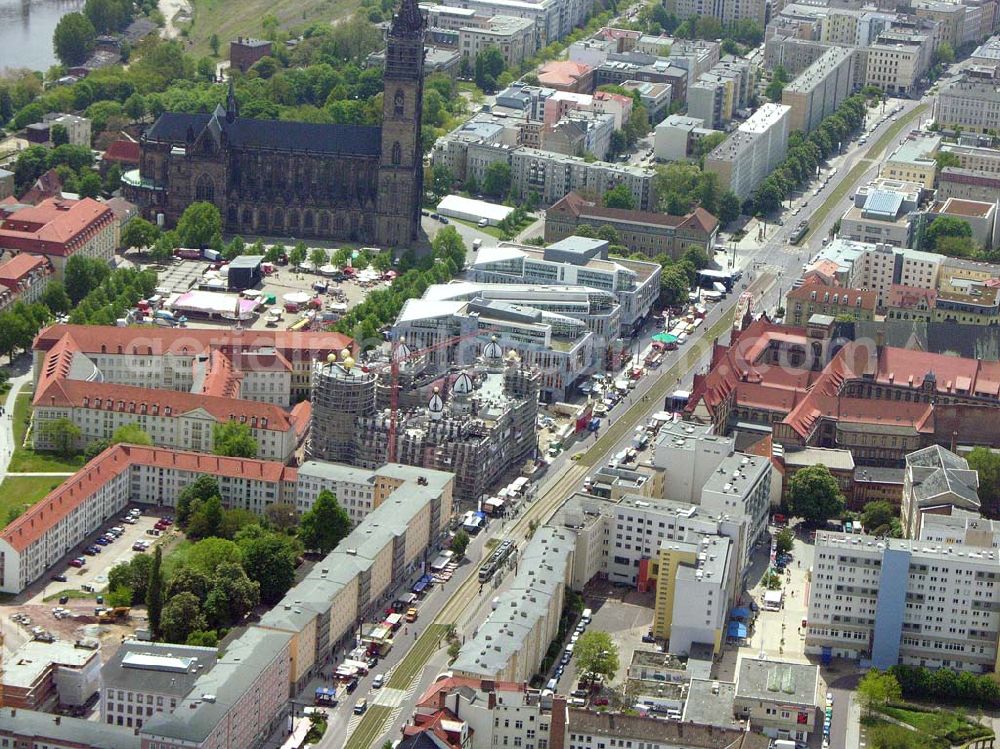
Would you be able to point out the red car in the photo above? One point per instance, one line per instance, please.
(599, 701)
(78, 562)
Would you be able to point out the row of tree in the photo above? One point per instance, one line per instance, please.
(113, 297)
(805, 153)
(380, 308)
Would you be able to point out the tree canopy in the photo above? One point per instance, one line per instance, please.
(234, 439)
(596, 655)
(814, 495)
(200, 226)
(325, 524)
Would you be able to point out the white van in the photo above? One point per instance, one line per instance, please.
(553, 685)
(587, 616)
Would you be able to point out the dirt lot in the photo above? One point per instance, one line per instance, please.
(39, 601)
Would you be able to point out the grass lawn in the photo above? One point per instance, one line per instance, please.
(948, 725)
(26, 460)
(174, 554)
(893, 132)
(370, 728)
(73, 595)
(417, 656)
(230, 20)
(17, 492)
(494, 231)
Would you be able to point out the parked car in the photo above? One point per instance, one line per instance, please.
(153, 531)
(360, 706)
(411, 615)
(352, 685)
(378, 681)
(102, 541)
(78, 562)
(59, 578)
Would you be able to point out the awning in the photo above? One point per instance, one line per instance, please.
(737, 631)
(740, 613)
(325, 692)
(665, 338)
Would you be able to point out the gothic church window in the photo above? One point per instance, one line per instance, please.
(204, 189)
(397, 154)
(400, 99)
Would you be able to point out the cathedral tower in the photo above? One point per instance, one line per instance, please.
(401, 170)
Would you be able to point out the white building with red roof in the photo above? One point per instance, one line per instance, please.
(177, 384)
(24, 278)
(106, 485)
(59, 228)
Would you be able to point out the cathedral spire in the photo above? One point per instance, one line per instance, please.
(408, 21)
(232, 106)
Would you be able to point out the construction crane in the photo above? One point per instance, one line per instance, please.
(398, 355)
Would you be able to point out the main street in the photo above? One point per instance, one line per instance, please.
(459, 603)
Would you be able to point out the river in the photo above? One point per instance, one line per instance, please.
(26, 28)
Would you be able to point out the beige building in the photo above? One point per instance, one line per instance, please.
(744, 159)
(514, 37)
(950, 18)
(781, 699)
(972, 102)
(820, 89)
(913, 160)
(897, 61)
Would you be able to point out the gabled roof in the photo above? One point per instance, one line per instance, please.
(123, 151)
(579, 207)
(358, 140)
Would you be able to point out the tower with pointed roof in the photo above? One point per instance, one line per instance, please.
(400, 180)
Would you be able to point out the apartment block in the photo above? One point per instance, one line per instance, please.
(24, 278)
(913, 159)
(236, 705)
(974, 158)
(511, 643)
(950, 19)
(589, 728)
(41, 675)
(724, 10)
(656, 97)
(553, 19)
(793, 53)
(781, 699)
(850, 27)
(324, 610)
(884, 212)
(693, 584)
(513, 36)
(30, 728)
(967, 184)
(144, 679)
(972, 102)
(815, 298)
(677, 137)
(820, 89)
(897, 60)
(752, 152)
(889, 601)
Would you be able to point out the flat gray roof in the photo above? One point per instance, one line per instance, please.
(38, 727)
(157, 667)
(778, 681)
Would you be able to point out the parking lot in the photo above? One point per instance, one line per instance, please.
(626, 616)
(80, 590)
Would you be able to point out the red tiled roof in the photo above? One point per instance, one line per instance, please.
(574, 204)
(46, 186)
(562, 72)
(62, 500)
(294, 345)
(221, 378)
(825, 295)
(123, 151)
(54, 225)
(906, 297)
(430, 697)
(14, 270)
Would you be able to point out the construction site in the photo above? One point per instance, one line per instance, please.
(477, 422)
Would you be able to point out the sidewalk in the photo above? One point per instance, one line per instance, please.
(7, 427)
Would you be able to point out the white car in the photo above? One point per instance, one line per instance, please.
(378, 681)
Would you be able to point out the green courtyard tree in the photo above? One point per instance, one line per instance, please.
(814, 495)
(297, 255)
(459, 543)
(596, 656)
(139, 234)
(133, 575)
(199, 490)
(206, 519)
(619, 196)
(232, 596)
(55, 298)
(489, 66)
(325, 524)
(234, 439)
(62, 434)
(131, 434)
(496, 182)
(729, 207)
(879, 518)
(200, 226)
(987, 463)
(319, 257)
(182, 616)
(269, 559)
(784, 540)
(154, 593)
(877, 689)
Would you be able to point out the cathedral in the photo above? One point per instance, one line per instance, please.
(341, 182)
